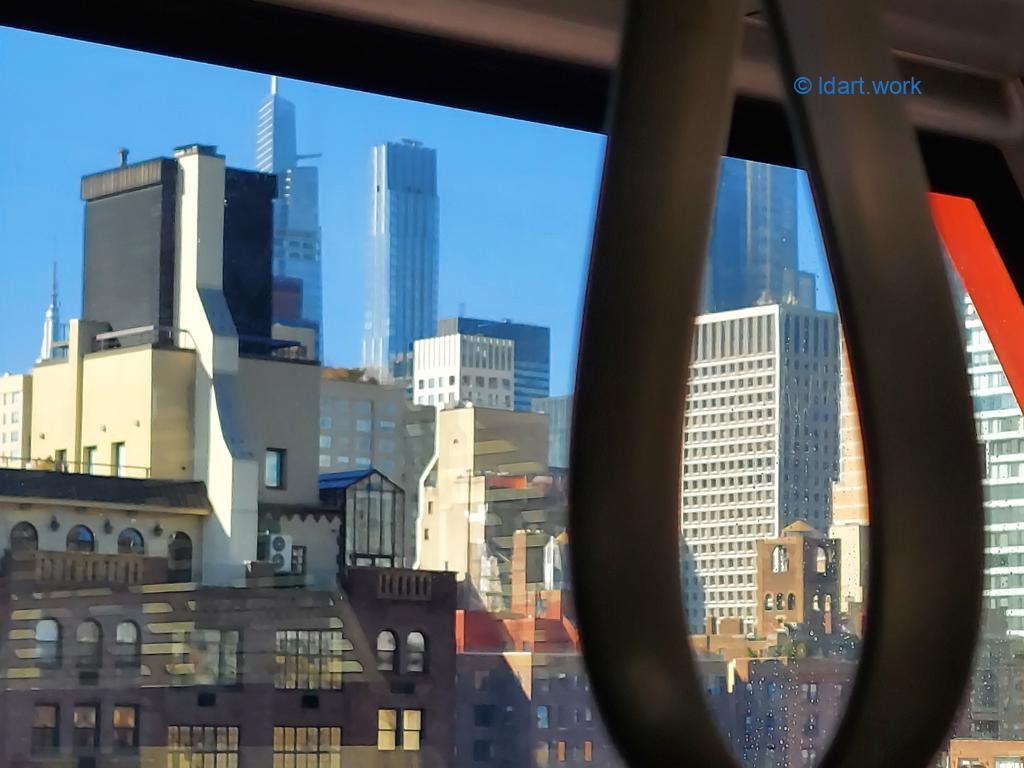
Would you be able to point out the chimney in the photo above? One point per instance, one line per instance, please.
(122, 153)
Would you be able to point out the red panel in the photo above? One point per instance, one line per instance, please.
(989, 285)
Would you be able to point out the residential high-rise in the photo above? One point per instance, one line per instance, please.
(1001, 434)
(760, 446)
(297, 241)
(533, 352)
(458, 368)
(559, 412)
(402, 269)
(752, 257)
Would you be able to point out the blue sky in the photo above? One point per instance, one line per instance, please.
(517, 199)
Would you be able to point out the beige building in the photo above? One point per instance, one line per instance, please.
(850, 495)
(488, 462)
(183, 403)
(15, 420)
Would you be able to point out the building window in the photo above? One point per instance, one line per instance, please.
(118, 457)
(48, 642)
(399, 729)
(130, 542)
(81, 539)
(364, 425)
(213, 654)
(89, 459)
(588, 751)
(543, 716)
(24, 538)
(45, 728)
(483, 751)
(387, 651)
(298, 560)
(127, 646)
(326, 422)
(312, 747)
(791, 602)
(60, 460)
(780, 559)
(90, 645)
(560, 751)
(325, 441)
(325, 461)
(197, 745)
(273, 468)
(126, 727)
(309, 659)
(416, 652)
(179, 558)
(85, 735)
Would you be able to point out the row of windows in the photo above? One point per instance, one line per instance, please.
(306, 659)
(361, 461)
(382, 445)
(730, 401)
(11, 398)
(361, 425)
(559, 751)
(45, 736)
(361, 407)
(492, 382)
(25, 538)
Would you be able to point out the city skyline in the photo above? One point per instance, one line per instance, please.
(540, 189)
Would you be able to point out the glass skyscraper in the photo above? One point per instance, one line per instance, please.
(403, 257)
(752, 257)
(559, 412)
(1001, 435)
(298, 275)
(532, 353)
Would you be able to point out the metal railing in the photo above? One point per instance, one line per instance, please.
(75, 467)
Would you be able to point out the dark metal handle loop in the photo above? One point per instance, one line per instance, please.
(667, 130)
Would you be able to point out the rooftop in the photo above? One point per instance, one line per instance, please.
(183, 495)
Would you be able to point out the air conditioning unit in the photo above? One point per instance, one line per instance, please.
(275, 548)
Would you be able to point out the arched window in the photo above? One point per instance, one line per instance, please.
(81, 539)
(24, 538)
(816, 603)
(130, 542)
(127, 645)
(791, 602)
(89, 637)
(48, 639)
(179, 558)
(768, 602)
(416, 652)
(820, 561)
(780, 559)
(780, 601)
(387, 651)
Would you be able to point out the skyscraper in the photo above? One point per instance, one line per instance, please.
(532, 352)
(297, 249)
(752, 257)
(760, 446)
(403, 257)
(1001, 435)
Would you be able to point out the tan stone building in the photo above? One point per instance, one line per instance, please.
(850, 496)
(15, 420)
(488, 479)
(798, 578)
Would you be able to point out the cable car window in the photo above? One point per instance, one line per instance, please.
(231, 268)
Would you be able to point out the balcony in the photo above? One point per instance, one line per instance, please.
(77, 569)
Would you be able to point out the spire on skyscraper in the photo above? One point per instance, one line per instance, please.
(51, 320)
